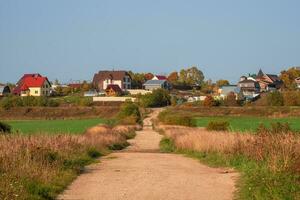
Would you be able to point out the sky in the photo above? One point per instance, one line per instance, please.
(72, 39)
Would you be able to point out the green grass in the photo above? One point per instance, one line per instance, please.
(249, 123)
(256, 181)
(76, 126)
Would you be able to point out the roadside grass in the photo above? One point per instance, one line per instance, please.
(76, 126)
(256, 181)
(246, 124)
(41, 166)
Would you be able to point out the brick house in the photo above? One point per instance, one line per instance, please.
(104, 78)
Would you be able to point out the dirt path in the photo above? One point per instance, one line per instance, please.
(142, 173)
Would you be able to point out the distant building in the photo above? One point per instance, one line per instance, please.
(113, 90)
(104, 78)
(268, 82)
(4, 90)
(33, 85)
(225, 90)
(249, 87)
(156, 84)
(159, 77)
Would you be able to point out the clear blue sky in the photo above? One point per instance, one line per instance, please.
(72, 39)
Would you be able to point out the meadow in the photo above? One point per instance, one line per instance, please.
(69, 126)
(248, 124)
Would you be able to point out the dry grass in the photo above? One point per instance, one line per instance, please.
(280, 151)
(41, 166)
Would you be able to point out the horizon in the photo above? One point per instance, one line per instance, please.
(72, 40)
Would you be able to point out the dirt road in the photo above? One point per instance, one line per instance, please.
(142, 173)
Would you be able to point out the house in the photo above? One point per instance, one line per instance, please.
(194, 99)
(33, 85)
(249, 87)
(104, 78)
(225, 90)
(113, 90)
(156, 84)
(268, 82)
(4, 90)
(159, 77)
(297, 80)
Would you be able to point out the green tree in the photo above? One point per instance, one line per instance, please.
(275, 99)
(222, 82)
(191, 76)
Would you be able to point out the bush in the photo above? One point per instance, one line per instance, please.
(209, 101)
(5, 128)
(158, 98)
(276, 128)
(30, 101)
(291, 98)
(218, 126)
(129, 113)
(168, 118)
(275, 99)
(231, 100)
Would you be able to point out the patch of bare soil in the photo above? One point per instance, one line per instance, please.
(140, 172)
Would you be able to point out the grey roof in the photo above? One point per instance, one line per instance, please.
(155, 82)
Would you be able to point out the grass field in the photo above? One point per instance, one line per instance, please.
(77, 126)
(249, 123)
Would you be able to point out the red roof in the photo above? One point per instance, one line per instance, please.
(29, 80)
(114, 87)
(160, 77)
(75, 85)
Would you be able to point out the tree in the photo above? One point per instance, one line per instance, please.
(288, 77)
(86, 86)
(275, 99)
(148, 76)
(222, 82)
(173, 77)
(191, 76)
(138, 79)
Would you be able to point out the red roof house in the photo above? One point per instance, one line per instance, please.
(32, 85)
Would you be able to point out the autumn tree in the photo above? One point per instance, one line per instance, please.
(148, 76)
(222, 82)
(173, 77)
(288, 77)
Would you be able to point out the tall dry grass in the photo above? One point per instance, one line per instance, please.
(280, 151)
(49, 160)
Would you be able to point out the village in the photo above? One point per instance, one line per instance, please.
(118, 85)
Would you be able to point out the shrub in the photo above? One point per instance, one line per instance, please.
(129, 113)
(218, 126)
(158, 98)
(275, 99)
(5, 128)
(230, 100)
(291, 98)
(209, 101)
(276, 128)
(182, 120)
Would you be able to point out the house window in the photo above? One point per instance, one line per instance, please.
(36, 92)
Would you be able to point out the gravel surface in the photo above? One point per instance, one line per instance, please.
(140, 172)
